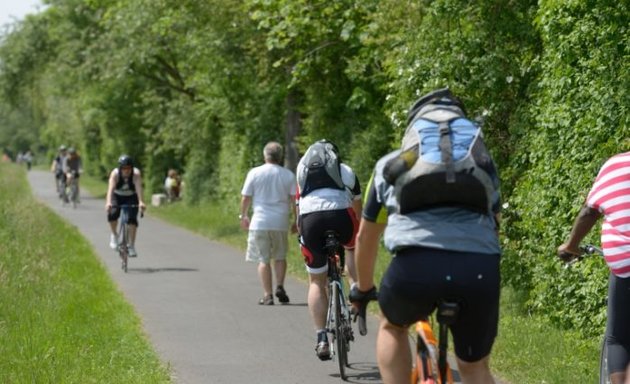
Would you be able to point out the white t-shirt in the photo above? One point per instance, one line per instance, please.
(170, 182)
(329, 199)
(272, 188)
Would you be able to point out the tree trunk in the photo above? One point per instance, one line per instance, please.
(294, 124)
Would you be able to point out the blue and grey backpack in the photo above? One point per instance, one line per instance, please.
(443, 160)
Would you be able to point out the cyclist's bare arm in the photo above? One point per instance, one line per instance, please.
(137, 181)
(113, 179)
(366, 251)
(357, 206)
(585, 220)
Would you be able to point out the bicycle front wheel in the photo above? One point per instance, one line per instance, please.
(74, 194)
(604, 375)
(340, 334)
(122, 247)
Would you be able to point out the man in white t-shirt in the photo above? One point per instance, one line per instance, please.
(270, 190)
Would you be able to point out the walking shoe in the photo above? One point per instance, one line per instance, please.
(281, 294)
(266, 300)
(131, 250)
(113, 242)
(322, 348)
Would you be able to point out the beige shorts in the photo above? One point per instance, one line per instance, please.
(265, 245)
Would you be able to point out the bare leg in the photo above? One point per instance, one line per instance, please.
(264, 272)
(618, 378)
(393, 353)
(280, 269)
(113, 225)
(350, 268)
(132, 234)
(318, 299)
(475, 373)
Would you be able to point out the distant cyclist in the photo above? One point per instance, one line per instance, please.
(445, 247)
(72, 166)
(610, 198)
(329, 198)
(57, 169)
(125, 188)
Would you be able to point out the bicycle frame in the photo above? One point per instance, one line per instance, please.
(338, 316)
(123, 236)
(431, 355)
(74, 191)
(590, 250)
(604, 375)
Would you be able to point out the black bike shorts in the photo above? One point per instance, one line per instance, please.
(117, 201)
(617, 326)
(313, 227)
(417, 279)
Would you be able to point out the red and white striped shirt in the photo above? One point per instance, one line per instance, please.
(610, 195)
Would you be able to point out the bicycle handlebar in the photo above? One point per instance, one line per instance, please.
(361, 301)
(590, 249)
(586, 249)
(122, 206)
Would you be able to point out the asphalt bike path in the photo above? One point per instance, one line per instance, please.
(198, 301)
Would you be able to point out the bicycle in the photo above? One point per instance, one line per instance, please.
(123, 234)
(431, 365)
(338, 320)
(59, 184)
(588, 250)
(74, 190)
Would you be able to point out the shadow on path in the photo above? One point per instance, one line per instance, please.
(155, 270)
(362, 372)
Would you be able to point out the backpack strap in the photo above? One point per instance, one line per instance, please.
(446, 148)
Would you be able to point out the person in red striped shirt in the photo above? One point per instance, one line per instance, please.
(610, 198)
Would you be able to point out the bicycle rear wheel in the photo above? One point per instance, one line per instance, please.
(604, 375)
(425, 370)
(340, 334)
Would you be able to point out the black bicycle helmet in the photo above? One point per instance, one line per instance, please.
(125, 160)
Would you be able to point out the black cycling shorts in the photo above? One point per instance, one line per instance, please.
(117, 200)
(313, 227)
(418, 278)
(618, 324)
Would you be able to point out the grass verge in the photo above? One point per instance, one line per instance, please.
(62, 320)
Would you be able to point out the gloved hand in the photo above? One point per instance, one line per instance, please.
(359, 302)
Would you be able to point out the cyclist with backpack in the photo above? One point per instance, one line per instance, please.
(124, 188)
(437, 202)
(328, 198)
(610, 198)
